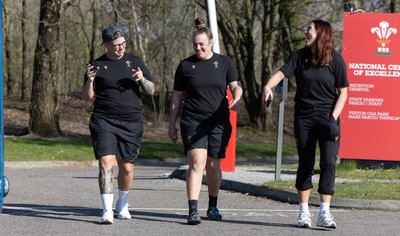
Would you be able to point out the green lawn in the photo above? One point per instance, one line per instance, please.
(62, 149)
(36, 149)
(360, 190)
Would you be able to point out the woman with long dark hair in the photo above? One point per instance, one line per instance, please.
(321, 94)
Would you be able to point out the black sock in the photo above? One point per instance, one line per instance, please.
(212, 201)
(192, 206)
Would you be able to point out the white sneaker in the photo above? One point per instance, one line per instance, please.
(304, 219)
(123, 212)
(107, 217)
(325, 219)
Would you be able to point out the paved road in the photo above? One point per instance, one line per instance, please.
(65, 201)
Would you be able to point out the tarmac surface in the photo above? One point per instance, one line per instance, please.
(245, 179)
(62, 198)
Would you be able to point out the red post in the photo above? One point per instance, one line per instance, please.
(228, 163)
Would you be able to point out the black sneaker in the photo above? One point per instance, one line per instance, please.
(213, 214)
(194, 218)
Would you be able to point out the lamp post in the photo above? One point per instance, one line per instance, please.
(1, 115)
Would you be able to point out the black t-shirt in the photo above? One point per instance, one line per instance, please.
(117, 93)
(316, 91)
(205, 83)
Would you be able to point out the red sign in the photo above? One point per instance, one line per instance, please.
(371, 117)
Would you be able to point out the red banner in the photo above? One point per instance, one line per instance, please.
(370, 120)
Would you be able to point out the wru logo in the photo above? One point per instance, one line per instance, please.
(383, 32)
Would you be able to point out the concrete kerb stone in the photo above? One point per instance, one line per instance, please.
(251, 189)
(277, 195)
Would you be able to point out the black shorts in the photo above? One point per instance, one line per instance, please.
(211, 135)
(115, 137)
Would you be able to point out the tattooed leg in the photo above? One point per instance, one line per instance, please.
(106, 180)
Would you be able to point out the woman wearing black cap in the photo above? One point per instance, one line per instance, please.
(112, 82)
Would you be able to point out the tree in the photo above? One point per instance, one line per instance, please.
(7, 48)
(169, 35)
(25, 68)
(393, 6)
(44, 120)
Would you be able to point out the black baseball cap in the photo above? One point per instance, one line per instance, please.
(114, 32)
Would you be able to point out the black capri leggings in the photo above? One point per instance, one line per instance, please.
(325, 130)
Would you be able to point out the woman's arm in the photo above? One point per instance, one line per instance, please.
(146, 85)
(340, 103)
(237, 91)
(272, 82)
(87, 90)
(176, 101)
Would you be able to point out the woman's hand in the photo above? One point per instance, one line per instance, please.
(91, 72)
(173, 134)
(234, 104)
(268, 95)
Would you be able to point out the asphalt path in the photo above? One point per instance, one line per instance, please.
(65, 201)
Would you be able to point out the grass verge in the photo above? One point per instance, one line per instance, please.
(366, 189)
(36, 149)
(62, 149)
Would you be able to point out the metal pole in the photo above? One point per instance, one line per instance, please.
(1, 113)
(279, 142)
(283, 90)
(212, 17)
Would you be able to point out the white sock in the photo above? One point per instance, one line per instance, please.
(304, 207)
(123, 198)
(107, 201)
(324, 206)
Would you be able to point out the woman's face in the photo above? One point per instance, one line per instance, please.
(116, 48)
(202, 46)
(311, 35)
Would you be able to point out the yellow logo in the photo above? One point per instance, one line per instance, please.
(216, 64)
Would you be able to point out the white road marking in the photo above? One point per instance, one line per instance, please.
(232, 209)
